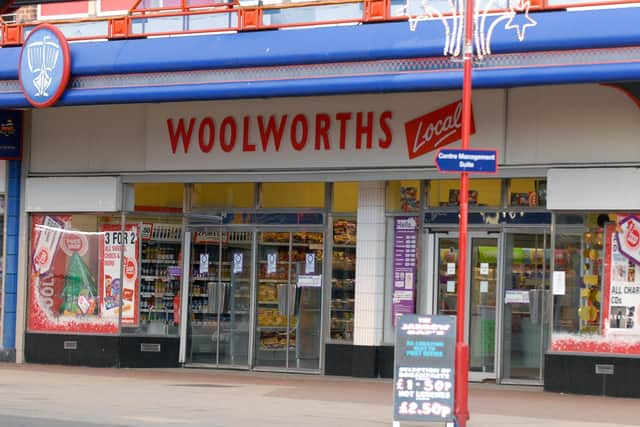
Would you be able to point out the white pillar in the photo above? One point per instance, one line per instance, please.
(370, 265)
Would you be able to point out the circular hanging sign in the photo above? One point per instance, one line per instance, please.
(45, 65)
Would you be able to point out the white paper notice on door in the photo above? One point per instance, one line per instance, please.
(559, 283)
(451, 286)
(272, 262)
(310, 263)
(237, 262)
(484, 286)
(204, 264)
(484, 268)
(451, 268)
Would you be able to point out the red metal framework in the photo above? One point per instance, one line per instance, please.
(231, 16)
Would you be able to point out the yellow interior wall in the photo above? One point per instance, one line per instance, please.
(345, 197)
(522, 185)
(167, 195)
(236, 195)
(489, 191)
(394, 201)
(292, 195)
(88, 222)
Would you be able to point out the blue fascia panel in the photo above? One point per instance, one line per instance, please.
(555, 30)
(353, 85)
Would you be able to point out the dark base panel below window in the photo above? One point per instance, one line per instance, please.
(75, 350)
(139, 352)
(359, 361)
(576, 374)
(102, 351)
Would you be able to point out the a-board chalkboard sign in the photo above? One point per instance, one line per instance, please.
(424, 368)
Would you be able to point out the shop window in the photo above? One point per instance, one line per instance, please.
(345, 197)
(482, 192)
(527, 192)
(343, 287)
(403, 196)
(595, 284)
(75, 283)
(165, 197)
(160, 275)
(292, 195)
(223, 196)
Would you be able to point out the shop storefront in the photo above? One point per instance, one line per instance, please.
(289, 234)
(596, 292)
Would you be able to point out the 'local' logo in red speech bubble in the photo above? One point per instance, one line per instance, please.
(435, 129)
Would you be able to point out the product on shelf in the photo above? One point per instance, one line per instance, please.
(277, 341)
(344, 232)
(160, 275)
(343, 280)
(275, 237)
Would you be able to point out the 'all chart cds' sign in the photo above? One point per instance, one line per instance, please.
(424, 368)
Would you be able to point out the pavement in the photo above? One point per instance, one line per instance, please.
(58, 396)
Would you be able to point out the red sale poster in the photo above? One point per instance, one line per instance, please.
(119, 278)
(63, 293)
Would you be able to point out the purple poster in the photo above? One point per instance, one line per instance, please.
(405, 245)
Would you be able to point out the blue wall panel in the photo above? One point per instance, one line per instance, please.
(14, 169)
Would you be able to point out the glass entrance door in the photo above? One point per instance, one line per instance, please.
(289, 297)
(526, 302)
(219, 297)
(481, 289)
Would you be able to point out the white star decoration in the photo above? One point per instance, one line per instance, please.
(520, 27)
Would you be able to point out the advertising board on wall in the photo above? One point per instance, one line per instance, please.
(405, 254)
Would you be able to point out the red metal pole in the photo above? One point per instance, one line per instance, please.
(462, 349)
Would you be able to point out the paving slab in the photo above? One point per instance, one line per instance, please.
(57, 396)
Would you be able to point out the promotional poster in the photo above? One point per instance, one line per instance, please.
(622, 305)
(64, 295)
(119, 286)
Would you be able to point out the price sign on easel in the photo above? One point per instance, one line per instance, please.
(423, 386)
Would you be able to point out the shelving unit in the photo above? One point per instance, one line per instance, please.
(447, 296)
(343, 260)
(592, 261)
(273, 334)
(160, 277)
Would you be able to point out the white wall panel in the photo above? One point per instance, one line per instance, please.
(571, 124)
(593, 189)
(102, 138)
(135, 138)
(73, 194)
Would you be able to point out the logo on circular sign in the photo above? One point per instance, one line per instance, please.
(72, 242)
(45, 65)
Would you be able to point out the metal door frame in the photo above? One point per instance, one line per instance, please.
(190, 229)
(474, 234)
(544, 308)
(326, 281)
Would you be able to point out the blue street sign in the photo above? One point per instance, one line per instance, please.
(459, 160)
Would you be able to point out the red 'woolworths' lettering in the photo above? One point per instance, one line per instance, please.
(299, 132)
(179, 134)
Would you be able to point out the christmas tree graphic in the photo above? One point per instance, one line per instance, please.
(78, 283)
